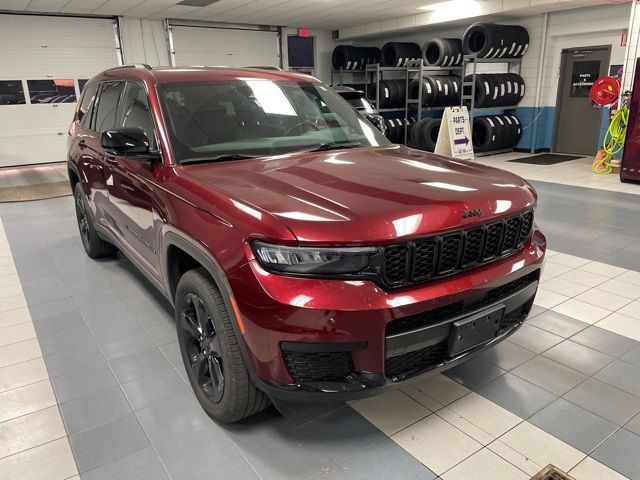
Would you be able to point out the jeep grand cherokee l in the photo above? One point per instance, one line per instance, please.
(307, 258)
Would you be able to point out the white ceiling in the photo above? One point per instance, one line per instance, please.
(323, 14)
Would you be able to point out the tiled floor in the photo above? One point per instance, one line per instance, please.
(91, 381)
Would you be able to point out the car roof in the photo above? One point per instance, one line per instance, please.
(197, 73)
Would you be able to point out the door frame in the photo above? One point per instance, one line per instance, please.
(561, 86)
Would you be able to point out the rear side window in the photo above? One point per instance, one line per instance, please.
(105, 116)
(134, 110)
(83, 116)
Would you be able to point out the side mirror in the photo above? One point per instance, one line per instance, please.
(126, 142)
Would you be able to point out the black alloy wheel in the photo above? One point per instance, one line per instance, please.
(83, 221)
(202, 346)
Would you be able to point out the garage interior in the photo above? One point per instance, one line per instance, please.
(92, 381)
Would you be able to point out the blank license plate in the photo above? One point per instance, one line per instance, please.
(474, 330)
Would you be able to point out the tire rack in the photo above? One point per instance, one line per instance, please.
(513, 66)
(340, 73)
(373, 75)
(415, 105)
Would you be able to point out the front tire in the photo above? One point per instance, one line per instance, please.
(211, 353)
(91, 241)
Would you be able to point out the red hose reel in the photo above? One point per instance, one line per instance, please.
(605, 91)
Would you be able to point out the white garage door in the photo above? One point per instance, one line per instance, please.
(43, 58)
(224, 46)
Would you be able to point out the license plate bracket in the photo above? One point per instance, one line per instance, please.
(474, 330)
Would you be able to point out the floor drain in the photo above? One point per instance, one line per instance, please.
(551, 473)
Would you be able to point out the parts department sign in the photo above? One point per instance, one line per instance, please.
(454, 138)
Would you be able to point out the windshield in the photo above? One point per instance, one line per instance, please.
(257, 117)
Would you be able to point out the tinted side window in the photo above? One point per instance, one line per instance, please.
(134, 110)
(86, 106)
(107, 105)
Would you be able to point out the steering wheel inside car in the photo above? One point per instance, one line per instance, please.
(290, 130)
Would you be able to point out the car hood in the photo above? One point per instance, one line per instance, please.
(368, 195)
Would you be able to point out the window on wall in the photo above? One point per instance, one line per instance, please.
(11, 92)
(52, 91)
(81, 83)
(300, 51)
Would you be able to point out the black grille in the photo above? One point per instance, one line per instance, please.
(514, 317)
(452, 252)
(415, 362)
(317, 366)
(431, 317)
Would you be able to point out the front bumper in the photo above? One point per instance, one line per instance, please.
(334, 340)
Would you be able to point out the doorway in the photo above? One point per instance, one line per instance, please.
(577, 123)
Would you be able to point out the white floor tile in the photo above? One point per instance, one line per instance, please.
(16, 333)
(631, 277)
(13, 317)
(622, 325)
(600, 298)
(19, 352)
(21, 374)
(603, 269)
(10, 291)
(568, 260)
(485, 414)
(590, 469)
(564, 287)
(25, 400)
(541, 447)
(436, 443)
(631, 310)
(515, 458)
(485, 465)
(584, 278)
(30, 431)
(51, 461)
(582, 311)
(618, 287)
(553, 270)
(391, 412)
(548, 299)
(441, 388)
(12, 302)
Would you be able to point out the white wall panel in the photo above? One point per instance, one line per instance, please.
(223, 46)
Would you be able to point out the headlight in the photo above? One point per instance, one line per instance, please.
(312, 260)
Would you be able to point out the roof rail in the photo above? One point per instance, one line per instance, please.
(134, 65)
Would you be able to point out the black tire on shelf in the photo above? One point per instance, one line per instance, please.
(414, 134)
(489, 40)
(445, 52)
(483, 136)
(398, 54)
(429, 134)
(239, 397)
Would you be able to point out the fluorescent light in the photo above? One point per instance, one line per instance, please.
(449, 4)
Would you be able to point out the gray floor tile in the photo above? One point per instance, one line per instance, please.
(261, 428)
(534, 339)
(64, 341)
(138, 365)
(197, 453)
(579, 357)
(141, 465)
(507, 355)
(558, 324)
(108, 442)
(94, 409)
(474, 373)
(340, 435)
(574, 425)
(517, 395)
(172, 416)
(550, 375)
(44, 290)
(622, 375)
(150, 317)
(147, 390)
(632, 356)
(604, 400)
(59, 323)
(82, 381)
(50, 309)
(620, 452)
(634, 425)
(62, 363)
(535, 311)
(163, 333)
(605, 341)
(386, 460)
(126, 343)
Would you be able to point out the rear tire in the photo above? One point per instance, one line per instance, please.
(211, 352)
(91, 241)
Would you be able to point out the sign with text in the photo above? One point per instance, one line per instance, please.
(454, 137)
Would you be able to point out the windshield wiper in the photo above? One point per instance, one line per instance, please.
(217, 158)
(332, 146)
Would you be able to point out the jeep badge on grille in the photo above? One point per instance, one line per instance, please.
(472, 213)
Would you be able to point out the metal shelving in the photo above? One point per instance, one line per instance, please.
(513, 66)
(341, 72)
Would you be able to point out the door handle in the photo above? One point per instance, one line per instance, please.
(111, 161)
(82, 144)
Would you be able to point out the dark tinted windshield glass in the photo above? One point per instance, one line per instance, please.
(260, 118)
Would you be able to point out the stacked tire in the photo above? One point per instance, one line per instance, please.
(399, 54)
(424, 134)
(348, 57)
(495, 132)
(393, 93)
(490, 40)
(396, 128)
(496, 89)
(437, 90)
(443, 52)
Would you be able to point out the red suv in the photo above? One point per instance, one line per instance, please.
(308, 259)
